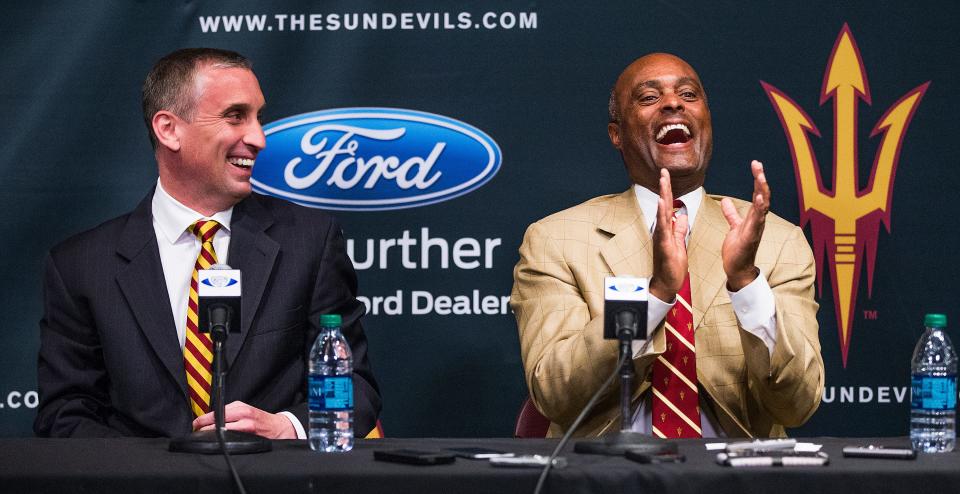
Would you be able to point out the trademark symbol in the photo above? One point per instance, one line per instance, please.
(870, 315)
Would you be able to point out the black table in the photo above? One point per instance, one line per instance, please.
(145, 465)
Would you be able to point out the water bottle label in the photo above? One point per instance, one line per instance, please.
(934, 393)
(330, 393)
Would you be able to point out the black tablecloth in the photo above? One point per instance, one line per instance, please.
(145, 465)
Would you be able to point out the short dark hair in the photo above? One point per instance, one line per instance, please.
(613, 112)
(167, 86)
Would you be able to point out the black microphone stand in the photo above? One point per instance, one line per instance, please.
(219, 439)
(615, 444)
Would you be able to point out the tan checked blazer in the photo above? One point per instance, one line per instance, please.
(558, 300)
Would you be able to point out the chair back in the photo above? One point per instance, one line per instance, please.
(530, 422)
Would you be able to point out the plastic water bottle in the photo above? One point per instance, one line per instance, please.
(330, 388)
(933, 401)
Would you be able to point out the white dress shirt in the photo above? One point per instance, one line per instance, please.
(179, 249)
(754, 306)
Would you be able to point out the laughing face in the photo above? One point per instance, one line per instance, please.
(218, 145)
(661, 120)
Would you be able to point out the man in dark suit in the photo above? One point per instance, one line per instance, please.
(117, 352)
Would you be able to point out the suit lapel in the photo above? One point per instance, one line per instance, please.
(627, 253)
(253, 252)
(145, 290)
(707, 277)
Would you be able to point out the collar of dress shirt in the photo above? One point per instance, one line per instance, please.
(174, 218)
(648, 205)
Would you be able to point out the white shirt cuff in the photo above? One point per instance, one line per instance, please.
(301, 434)
(656, 311)
(756, 310)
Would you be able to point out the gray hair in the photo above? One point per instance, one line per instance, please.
(613, 113)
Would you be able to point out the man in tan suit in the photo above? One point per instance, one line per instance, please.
(751, 275)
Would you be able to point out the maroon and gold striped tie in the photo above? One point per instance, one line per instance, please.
(197, 349)
(676, 399)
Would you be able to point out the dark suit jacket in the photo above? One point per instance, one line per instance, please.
(110, 363)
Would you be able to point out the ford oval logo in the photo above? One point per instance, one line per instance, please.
(369, 159)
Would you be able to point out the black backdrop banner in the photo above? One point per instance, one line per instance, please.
(437, 131)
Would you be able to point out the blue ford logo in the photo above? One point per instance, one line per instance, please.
(369, 159)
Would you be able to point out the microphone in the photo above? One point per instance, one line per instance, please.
(624, 319)
(218, 300)
(625, 308)
(218, 312)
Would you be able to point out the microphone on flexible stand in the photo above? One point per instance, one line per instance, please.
(625, 320)
(218, 311)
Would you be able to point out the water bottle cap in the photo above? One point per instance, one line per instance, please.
(935, 320)
(330, 320)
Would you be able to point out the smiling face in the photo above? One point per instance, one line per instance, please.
(661, 120)
(209, 163)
